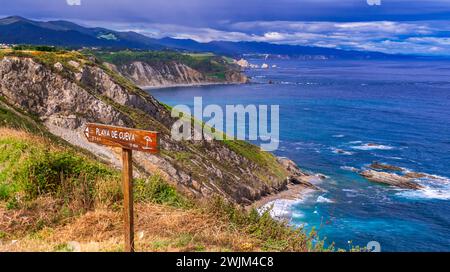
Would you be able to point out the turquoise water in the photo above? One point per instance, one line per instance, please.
(329, 112)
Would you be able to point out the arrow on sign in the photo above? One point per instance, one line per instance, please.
(86, 132)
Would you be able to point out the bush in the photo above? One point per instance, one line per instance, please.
(31, 168)
(45, 172)
(156, 190)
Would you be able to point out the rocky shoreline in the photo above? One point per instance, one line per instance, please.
(293, 192)
(298, 184)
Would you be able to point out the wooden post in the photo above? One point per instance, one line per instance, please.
(127, 180)
(128, 139)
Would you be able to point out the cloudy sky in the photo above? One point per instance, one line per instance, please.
(394, 26)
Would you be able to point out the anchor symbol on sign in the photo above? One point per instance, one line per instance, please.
(148, 139)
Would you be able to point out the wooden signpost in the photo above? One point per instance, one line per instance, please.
(128, 139)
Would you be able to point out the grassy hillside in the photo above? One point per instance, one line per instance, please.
(56, 198)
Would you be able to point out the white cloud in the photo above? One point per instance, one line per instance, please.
(417, 37)
(73, 2)
(274, 36)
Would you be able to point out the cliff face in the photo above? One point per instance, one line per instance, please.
(173, 73)
(65, 95)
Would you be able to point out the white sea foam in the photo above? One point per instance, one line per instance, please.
(372, 147)
(284, 208)
(297, 215)
(339, 136)
(350, 168)
(350, 190)
(440, 178)
(322, 199)
(427, 193)
(341, 151)
(388, 157)
(433, 187)
(280, 208)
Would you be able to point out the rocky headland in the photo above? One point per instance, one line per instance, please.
(65, 90)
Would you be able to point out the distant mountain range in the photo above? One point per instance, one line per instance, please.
(19, 30)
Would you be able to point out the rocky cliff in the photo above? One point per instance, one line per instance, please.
(65, 90)
(162, 69)
(172, 74)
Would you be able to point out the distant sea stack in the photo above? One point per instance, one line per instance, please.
(244, 64)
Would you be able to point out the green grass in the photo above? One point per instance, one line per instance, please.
(265, 160)
(35, 169)
(49, 58)
(9, 117)
(160, 244)
(63, 248)
(184, 240)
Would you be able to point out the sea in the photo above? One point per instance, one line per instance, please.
(336, 118)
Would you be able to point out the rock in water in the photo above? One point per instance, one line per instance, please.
(415, 175)
(390, 179)
(383, 166)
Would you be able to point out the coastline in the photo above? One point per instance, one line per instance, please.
(293, 192)
(188, 85)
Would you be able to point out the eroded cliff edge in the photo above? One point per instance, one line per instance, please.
(65, 90)
(152, 69)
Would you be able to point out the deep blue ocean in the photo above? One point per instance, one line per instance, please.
(338, 116)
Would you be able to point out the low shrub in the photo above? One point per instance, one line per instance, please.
(158, 191)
